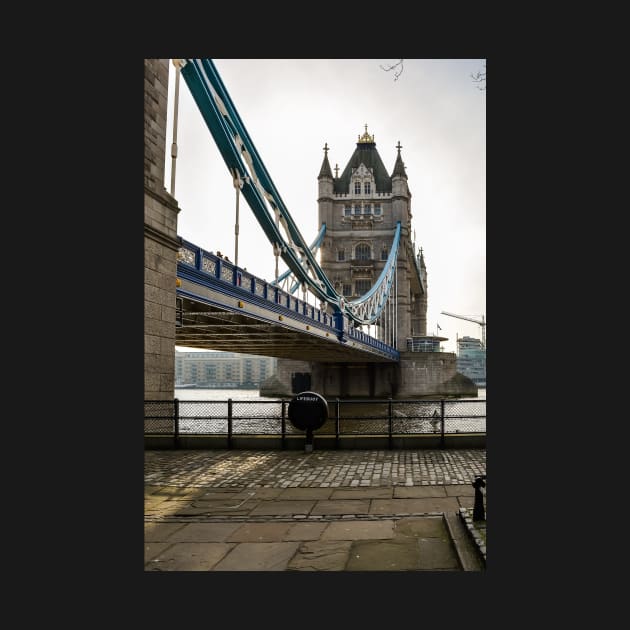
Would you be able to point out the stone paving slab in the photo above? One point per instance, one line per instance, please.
(220, 505)
(218, 494)
(160, 532)
(209, 510)
(362, 493)
(260, 532)
(186, 556)
(419, 492)
(350, 506)
(437, 554)
(273, 556)
(425, 527)
(154, 549)
(264, 493)
(204, 532)
(273, 508)
(359, 530)
(305, 531)
(467, 502)
(460, 491)
(305, 493)
(176, 492)
(414, 506)
(167, 508)
(153, 502)
(321, 556)
(384, 555)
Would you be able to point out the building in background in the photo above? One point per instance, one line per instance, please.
(221, 370)
(471, 360)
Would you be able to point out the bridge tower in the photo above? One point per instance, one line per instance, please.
(361, 208)
(160, 241)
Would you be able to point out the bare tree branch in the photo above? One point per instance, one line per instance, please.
(480, 78)
(398, 72)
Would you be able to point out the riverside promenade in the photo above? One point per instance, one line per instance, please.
(325, 510)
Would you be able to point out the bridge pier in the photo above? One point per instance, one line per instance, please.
(418, 374)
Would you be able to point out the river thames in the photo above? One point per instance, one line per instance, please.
(413, 416)
(252, 394)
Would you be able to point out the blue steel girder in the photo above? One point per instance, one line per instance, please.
(314, 247)
(249, 172)
(206, 278)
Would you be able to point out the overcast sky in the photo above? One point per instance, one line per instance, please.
(291, 107)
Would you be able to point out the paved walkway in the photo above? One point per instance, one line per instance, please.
(348, 510)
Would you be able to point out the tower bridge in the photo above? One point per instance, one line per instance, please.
(223, 307)
(369, 275)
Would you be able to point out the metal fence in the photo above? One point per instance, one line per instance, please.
(346, 417)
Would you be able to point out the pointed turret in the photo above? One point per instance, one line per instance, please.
(399, 167)
(325, 170)
(325, 188)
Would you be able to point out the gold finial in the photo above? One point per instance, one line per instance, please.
(326, 150)
(336, 171)
(366, 137)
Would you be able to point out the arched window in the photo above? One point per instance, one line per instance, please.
(363, 252)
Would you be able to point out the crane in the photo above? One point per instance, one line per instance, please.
(481, 322)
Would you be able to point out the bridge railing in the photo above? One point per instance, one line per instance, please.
(221, 269)
(347, 418)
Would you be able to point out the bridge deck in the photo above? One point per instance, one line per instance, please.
(222, 307)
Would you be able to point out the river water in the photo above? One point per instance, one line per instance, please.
(252, 394)
(462, 414)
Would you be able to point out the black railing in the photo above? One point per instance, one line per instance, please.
(347, 418)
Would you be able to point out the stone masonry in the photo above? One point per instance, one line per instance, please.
(160, 241)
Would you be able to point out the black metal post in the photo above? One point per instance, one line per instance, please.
(284, 427)
(391, 422)
(479, 513)
(336, 423)
(442, 441)
(176, 423)
(229, 441)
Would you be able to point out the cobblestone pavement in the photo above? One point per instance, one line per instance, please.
(318, 469)
(347, 510)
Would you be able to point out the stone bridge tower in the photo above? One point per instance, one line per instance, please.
(160, 241)
(360, 209)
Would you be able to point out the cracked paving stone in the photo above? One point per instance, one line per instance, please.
(321, 556)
